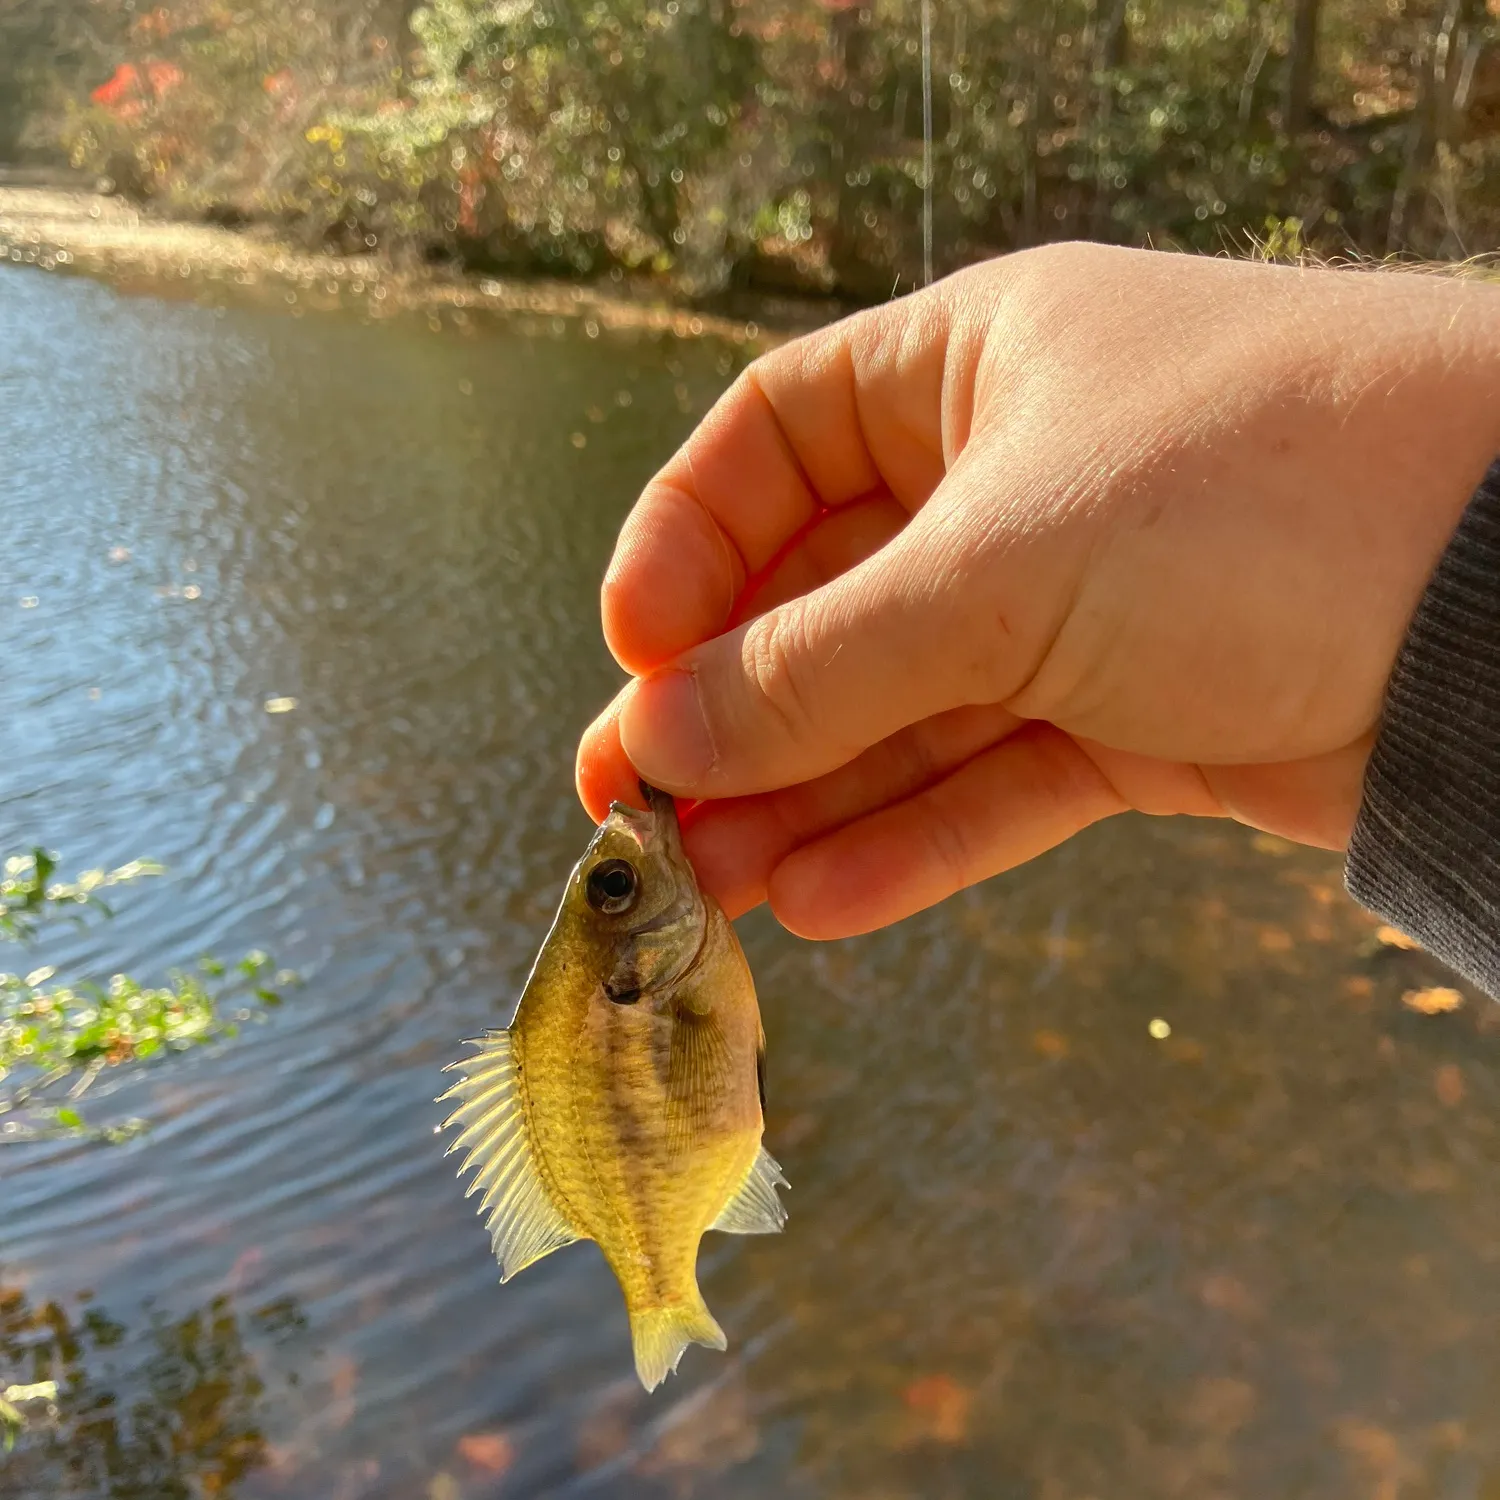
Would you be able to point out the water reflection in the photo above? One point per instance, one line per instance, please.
(1033, 1251)
(181, 1421)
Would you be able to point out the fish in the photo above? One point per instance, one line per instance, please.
(625, 1102)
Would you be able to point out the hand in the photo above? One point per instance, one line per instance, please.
(1074, 531)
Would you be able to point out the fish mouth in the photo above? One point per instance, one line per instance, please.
(656, 827)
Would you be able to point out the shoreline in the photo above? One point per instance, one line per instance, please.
(72, 229)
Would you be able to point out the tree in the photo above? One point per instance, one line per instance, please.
(1301, 66)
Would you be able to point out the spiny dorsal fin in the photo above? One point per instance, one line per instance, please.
(755, 1208)
(523, 1221)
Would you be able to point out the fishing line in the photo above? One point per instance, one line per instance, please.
(927, 142)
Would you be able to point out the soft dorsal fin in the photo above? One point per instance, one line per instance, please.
(523, 1221)
(755, 1208)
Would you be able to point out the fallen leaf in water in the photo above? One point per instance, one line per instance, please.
(942, 1406)
(1274, 940)
(1379, 1451)
(1220, 1403)
(1051, 1044)
(280, 705)
(1226, 1293)
(1449, 1083)
(1435, 1001)
(1359, 987)
(491, 1452)
(443, 1486)
(1393, 937)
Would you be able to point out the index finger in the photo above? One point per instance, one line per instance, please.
(854, 410)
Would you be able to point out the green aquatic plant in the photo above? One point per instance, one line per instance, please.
(56, 1040)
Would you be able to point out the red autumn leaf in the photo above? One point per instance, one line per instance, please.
(164, 77)
(491, 1452)
(942, 1404)
(125, 82)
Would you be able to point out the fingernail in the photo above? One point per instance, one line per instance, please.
(663, 731)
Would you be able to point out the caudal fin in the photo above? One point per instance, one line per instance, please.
(660, 1334)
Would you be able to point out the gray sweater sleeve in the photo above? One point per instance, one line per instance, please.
(1425, 853)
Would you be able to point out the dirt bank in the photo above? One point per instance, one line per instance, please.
(68, 229)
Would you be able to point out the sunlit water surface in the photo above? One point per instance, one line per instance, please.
(1033, 1252)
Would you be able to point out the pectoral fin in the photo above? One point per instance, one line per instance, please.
(755, 1208)
(523, 1221)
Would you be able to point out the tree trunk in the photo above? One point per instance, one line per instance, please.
(1449, 62)
(1301, 67)
(1111, 48)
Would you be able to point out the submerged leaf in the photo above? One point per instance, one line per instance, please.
(1436, 1000)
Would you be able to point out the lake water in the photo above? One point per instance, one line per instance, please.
(1033, 1253)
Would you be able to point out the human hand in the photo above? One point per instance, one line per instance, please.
(1071, 532)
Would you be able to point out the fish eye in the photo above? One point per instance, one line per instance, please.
(612, 886)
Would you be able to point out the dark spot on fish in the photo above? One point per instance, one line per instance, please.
(622, 996)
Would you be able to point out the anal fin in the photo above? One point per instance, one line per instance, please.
(754, 1207)
(524, 1222)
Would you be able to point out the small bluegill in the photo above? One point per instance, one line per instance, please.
(624, 1103)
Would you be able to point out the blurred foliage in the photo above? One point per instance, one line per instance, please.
(56, 1040)
(182, 1425)
(775, 142)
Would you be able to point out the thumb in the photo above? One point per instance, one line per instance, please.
(816, 681)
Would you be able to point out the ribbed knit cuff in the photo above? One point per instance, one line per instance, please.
(1425, 853)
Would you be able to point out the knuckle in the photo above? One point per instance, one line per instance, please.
(778, 670)
(950, 844)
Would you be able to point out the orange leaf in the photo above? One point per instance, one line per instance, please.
(1393, 937)
(492, 1452)
(1432, 1002)
(1449, 1083)
(1275, 940)
(1050, 1043)
(943, 1406)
